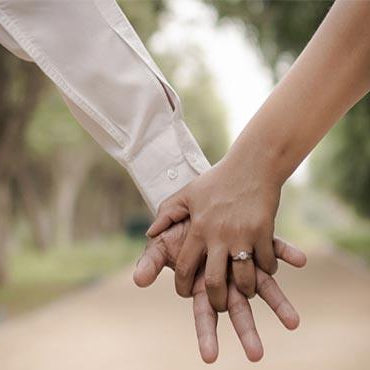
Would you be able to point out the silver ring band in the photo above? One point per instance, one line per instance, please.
(243, 256)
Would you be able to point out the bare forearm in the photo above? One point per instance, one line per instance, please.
(329, 77)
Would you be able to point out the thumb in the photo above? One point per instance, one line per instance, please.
(150, 264)
(170, 211)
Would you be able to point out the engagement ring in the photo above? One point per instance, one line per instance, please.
(243, 256)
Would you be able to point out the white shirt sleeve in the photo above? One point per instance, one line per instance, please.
(111, 85)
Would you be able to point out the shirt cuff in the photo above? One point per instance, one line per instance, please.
(165, 165)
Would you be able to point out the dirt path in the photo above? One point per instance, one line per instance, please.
(116, 326)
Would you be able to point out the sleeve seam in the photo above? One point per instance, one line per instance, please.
(159, 82)
(42, 60)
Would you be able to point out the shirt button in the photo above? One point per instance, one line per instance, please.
(172, 173)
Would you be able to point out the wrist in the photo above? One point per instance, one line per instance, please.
(254, 158)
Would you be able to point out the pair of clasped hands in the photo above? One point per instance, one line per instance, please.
(200, 231)
(217, 233)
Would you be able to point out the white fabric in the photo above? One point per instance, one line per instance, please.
(111, 85)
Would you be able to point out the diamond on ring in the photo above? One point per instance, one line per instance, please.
(242, 256)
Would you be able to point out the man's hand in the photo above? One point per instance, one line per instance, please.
(232, 210)
(163, 251)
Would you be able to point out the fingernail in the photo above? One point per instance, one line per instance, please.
(147, 234)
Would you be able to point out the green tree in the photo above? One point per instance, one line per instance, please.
(342, 161)
(206, 115)
(21, 85)
(143, 15)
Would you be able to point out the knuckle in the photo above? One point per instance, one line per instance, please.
(265, 285)
(173, 236)
(204, 312)
(284, 252)
(247, 288)
(182, 292)
(162, 239)
(273, 267)
(269, 266)
(237, 308)
(197, 227)
(160, 244)
(244, 286)
(227, 230)
(219, 306)
(183, 271)
(163, 206)
(214, 282)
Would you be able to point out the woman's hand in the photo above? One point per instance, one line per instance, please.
(230, 211)
(232, 207)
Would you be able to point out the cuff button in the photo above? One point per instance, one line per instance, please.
(172, 173)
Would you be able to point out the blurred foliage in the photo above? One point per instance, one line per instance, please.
(206, 115)
(355, 242)
(204, 111)
(278, 27)
(281, 29)
(144, 15)
(38, 279)
(20, 87)
(52, 126)
(313, 218)
(342, 161)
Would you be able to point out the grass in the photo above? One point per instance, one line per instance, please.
(36, 279)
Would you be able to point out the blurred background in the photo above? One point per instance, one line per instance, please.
(70, 216)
